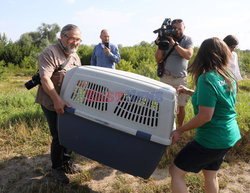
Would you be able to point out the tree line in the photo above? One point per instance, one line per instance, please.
(139, 58)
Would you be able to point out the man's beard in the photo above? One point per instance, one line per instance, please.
(68, 49)
(176, 37)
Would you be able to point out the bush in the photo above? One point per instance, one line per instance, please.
(29, 64)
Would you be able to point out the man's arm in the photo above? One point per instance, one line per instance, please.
(186, 53)
(159, 55)
(49, 88)
(93, 58)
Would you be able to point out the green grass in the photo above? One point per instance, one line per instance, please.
(243, 105)
(24, 130)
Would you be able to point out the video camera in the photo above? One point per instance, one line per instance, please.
(166, 30)
(35, 80)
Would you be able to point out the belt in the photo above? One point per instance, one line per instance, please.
(175, 76)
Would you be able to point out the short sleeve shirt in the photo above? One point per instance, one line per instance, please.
(235, 66)
(48, 62)
(222, 131)
(175, 64)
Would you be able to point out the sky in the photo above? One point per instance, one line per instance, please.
(129, 21)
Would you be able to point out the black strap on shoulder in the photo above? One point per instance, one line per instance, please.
(172, 49)
(62, 66)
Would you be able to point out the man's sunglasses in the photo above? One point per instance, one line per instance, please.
(177, 21)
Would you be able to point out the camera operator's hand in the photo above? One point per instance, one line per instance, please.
(183, 52)
(157, 41)
(171, 40)
(107, 50)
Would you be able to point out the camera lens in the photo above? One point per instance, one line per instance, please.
(33, 82)
(29, 85)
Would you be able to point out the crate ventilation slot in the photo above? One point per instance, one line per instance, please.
(91, 95)
(138, 109)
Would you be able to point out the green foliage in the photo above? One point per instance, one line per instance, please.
(12, 53)
(45, 35)
(244, 62)
(49, 32)
(85, 53)
(3, 70)
(29, 63)
(125, 66)
(2, 63)
(25, 51)
(138, 54)
(147, 69)
(243, 105)
(194, 54)
(3, 42)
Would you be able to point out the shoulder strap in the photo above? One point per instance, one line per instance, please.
(63, 65)
(172, 49)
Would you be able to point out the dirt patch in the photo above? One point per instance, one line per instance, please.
(22, 171)
(235, 177)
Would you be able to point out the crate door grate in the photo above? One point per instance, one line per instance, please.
(91, 95)
(138, 109)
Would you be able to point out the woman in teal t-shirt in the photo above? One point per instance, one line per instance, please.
(216, 128)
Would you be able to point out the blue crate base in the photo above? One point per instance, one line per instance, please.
(119, 150)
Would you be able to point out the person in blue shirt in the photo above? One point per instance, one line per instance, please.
(105, 54)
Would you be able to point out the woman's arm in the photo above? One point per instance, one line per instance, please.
(205, 115)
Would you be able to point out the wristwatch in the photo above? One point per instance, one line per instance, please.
(176, 44)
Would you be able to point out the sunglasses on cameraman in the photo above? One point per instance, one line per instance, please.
(177, 21)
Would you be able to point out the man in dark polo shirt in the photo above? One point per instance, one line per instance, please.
(48, 95)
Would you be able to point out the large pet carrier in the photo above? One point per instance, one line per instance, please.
(117, 118)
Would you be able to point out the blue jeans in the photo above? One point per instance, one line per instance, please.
(59, 154)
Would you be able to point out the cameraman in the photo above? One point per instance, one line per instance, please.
(175, 66)
(48, 95)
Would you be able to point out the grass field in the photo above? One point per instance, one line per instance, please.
(25, 146)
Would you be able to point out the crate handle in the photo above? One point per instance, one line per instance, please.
(69, 110)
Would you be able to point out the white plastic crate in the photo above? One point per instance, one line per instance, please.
(134, 105)
(139, 103)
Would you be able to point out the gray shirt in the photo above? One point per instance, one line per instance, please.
(176, 65)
